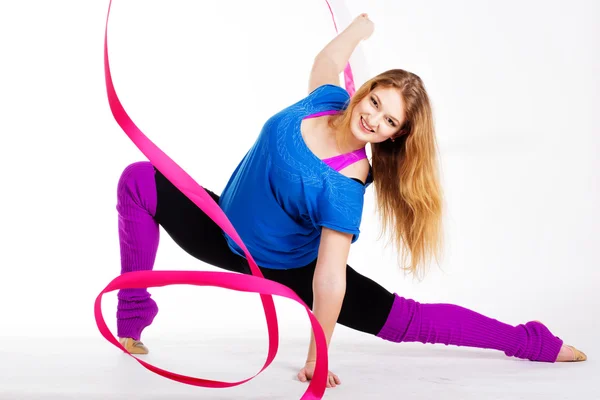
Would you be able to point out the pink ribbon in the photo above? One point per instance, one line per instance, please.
(255, 283)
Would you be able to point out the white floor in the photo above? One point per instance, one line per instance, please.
(93, 368)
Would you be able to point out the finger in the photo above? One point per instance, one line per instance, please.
(335, 379)
(302, 376)
(331, 381)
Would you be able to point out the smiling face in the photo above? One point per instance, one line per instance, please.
(379, 116)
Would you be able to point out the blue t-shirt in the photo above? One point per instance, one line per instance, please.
(281, 194)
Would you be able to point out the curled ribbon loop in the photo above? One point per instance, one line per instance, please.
(254, 283)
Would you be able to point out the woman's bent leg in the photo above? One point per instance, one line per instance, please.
(192, 230)
(138, 241)
(145, 201)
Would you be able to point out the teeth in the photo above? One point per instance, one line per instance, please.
(362, 121)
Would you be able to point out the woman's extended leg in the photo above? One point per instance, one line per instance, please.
(410, 321)
(370, 308)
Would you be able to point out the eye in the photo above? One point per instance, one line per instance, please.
(374, 101)
(391, 122)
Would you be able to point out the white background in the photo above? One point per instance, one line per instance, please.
(515, 89)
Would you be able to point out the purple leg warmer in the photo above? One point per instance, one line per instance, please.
(410, 321)
(138, 238)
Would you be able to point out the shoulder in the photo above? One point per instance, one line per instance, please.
(329, 95)
(359, 170)
(330, 90)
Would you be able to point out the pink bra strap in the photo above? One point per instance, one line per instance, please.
(343, 160)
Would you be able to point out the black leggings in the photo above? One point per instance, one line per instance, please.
(366, 305)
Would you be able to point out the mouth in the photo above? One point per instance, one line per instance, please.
(365, 127)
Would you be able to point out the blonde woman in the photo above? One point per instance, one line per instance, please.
(296, 199)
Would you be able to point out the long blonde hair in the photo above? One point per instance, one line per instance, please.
(405, 172)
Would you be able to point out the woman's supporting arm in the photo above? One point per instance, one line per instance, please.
(329, 282)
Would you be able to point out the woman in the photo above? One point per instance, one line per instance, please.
(296, 200)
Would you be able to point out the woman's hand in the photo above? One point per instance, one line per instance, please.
(308, 371)
(365, 25)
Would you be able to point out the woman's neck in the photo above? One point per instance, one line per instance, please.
(345, 140)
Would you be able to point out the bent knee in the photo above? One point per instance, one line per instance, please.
(140, 171)
(137, 182)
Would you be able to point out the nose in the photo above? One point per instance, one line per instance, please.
(374, 120)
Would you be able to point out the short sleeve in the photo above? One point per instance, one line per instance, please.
(339, 207)
(328, 97)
